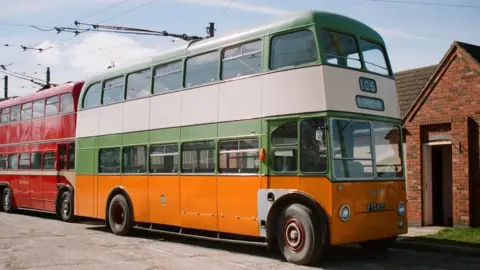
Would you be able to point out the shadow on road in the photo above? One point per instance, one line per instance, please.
(343, 257)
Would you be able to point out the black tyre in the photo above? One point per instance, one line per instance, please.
(7, 200)
(120, 216)
(379, 246)
(66, 206)
(300, 236)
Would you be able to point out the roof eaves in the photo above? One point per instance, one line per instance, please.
(432, 79)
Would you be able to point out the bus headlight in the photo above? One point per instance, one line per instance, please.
(401, 208)
(344, 212)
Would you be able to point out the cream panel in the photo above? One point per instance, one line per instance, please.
(111, 119)
(199, 105)
(165, 110)
(136, 115)
(296, 91)
(87, 123)
(342, 85)
(240, 99)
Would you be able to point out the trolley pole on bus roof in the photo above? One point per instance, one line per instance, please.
(211, 29)
(5, 87)
(48, 76)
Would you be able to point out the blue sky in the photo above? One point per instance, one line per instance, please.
(415, 35)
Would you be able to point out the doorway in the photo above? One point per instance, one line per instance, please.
(437, 184)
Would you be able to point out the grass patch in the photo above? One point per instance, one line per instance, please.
(466, 235)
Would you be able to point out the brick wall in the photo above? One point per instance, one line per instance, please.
(454, 101)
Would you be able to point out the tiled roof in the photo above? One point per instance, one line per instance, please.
(410, 83)
(473, 50)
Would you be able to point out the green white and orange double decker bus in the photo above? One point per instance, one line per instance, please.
(285, 135)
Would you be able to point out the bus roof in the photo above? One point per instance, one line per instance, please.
(321, 19)
(61, 89)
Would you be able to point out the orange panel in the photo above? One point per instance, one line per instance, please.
(168, 212)
(237, 204)
(198, 202)
(319, 188)
(282, 182)
(84, 195)
(137, 188)
(105, 184)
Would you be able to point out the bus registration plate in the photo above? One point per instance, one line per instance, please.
(375, 207)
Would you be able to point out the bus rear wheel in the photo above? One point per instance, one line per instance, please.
(7, 200)
(299, 235)
(119, 216)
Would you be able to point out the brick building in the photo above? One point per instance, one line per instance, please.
(440, 105)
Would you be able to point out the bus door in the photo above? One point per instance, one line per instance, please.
(283, 154)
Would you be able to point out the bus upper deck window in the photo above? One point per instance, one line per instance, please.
(340, 49)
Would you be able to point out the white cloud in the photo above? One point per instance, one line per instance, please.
(400, 34)
(77, 61)
(257, 8)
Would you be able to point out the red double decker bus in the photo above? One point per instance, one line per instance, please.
(37, 150)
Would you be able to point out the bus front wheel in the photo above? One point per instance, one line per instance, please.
(299, 235)
(120, 216)
(7, 200)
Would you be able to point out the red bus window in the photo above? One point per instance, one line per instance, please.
(66, 103)
(38, 108)
(26, 111)
(15, 113)
(24, 163)
(36, 161)
(13, 162)
(49, 161)
(3, 162)
(5, 115)
(52, 106)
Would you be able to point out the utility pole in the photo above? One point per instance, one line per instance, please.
(5, 87)
(211, 29)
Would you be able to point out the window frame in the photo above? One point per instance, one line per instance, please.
(182, 62)
(122, 161)
(41, 160)
(215, 154)
(20, 158)
(185, 63)
(17, 158)
(57, 104)
(285, 146)
(104, 89)
(384, 52)
(372, 151)
(100, 89)
(149, 84)
(5, 112)
(44, 102)
(178, 155)
(345, 33)
(4, 158)
(326, 141)
(55, 160)
(71, 109)
(29, 106)
(262, 52)
(250, 150)
(309, 28)
(18, 119)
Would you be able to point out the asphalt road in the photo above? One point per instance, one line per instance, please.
(37, 241)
